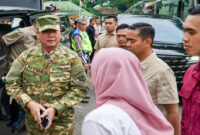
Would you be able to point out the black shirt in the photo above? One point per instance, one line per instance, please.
(91, 33)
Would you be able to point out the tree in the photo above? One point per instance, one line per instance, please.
(122, 5)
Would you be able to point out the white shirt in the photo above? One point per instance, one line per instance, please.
(109, 120)
(97, 30)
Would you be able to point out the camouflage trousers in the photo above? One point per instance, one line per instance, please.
(62, 126)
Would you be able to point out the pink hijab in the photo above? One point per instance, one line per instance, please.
(117, 80)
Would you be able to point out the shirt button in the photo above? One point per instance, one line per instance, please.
(190, 124)
(193, 106)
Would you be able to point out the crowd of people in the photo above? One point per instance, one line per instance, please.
(136, 92)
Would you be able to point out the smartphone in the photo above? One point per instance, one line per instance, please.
(45, 120)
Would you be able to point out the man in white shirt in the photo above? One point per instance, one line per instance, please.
(97, 27)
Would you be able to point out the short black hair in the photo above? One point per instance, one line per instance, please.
(194, 10)
(97, 18)
(145, 30)
(75, 21)
(122, 26)
(91, 19)
(112, 16)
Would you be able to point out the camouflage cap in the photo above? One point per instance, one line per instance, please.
(82, 20)
(48, 22)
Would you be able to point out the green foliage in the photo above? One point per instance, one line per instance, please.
(76, 2)
(122, 5)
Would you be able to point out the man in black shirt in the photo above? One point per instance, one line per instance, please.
(91, 33)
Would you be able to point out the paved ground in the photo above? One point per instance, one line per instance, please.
(80, 111)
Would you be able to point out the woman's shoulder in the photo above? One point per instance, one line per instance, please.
(112, 118)
(109, 115)
(106, 111)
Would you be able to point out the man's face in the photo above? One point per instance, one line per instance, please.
(82, 27)
(191, 37)
(121, 37)
(135, 43)
(72, 22)
(97, 21)
(49, 38)
(92, 22)
(110, 25)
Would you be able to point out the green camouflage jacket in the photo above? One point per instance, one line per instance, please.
(58, 81)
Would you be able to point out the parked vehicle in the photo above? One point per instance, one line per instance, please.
(168, 41)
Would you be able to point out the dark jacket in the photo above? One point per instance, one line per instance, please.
(91, 33)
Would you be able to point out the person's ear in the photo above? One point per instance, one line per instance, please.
(148, 41)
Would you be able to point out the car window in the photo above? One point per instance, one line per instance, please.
(166, 30)
(17, 23)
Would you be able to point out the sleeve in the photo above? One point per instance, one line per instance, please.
(93, 128)
(13, 37)
(76, 32)
(77, 39)
(167, 92)
(78, 88)
(14, 82)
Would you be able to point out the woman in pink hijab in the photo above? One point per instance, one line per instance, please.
(122, 97)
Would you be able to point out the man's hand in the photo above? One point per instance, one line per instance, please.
(50, 112)
(35, 108)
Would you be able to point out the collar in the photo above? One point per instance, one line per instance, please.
(112, 34)
(197, 67)
(32, 31)
(196, 71)
(56, 52)
(150, 59)
(190, 81)
(97, 25)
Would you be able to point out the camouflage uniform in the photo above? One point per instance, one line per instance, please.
(58, 81)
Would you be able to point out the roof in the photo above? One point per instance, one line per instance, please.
(70, 8)
(108, 11)
(8, 8)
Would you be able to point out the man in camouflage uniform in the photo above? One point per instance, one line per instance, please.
(49, 77)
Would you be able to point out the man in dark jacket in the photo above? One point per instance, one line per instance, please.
(91, 33)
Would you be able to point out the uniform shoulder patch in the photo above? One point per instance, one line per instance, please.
(80, 78)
